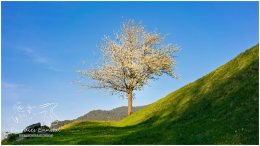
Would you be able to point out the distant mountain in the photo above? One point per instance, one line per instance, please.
(116, 114)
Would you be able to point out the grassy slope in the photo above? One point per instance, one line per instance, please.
(219, 108)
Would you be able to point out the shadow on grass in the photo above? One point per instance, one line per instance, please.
(228, 114)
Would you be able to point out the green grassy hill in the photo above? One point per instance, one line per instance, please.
(219, 108)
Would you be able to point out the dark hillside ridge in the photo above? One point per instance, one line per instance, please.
(115, 114)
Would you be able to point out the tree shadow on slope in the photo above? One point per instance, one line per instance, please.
(228, 114)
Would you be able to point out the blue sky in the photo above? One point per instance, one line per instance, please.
(45, 43)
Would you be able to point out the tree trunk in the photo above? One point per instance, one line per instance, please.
(130, 98)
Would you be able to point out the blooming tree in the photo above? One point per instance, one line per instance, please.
(131, 58)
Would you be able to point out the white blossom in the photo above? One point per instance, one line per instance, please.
(131, 58)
